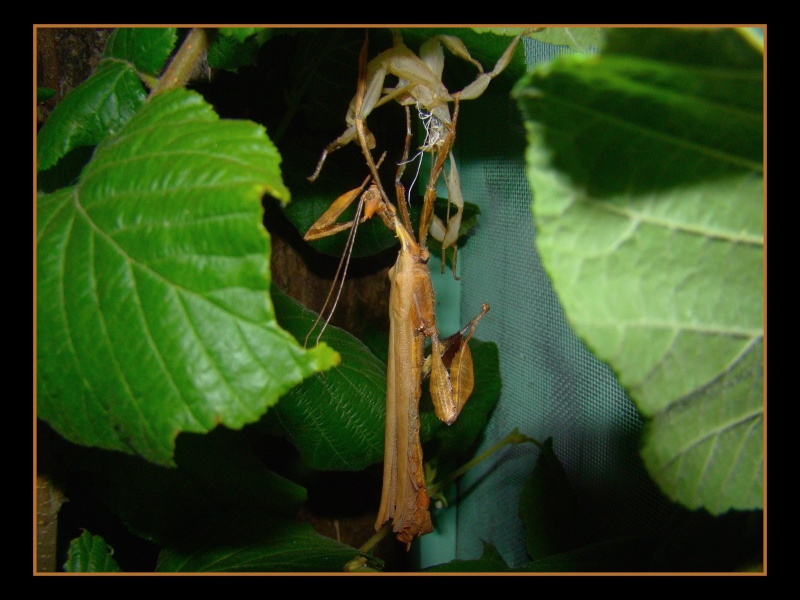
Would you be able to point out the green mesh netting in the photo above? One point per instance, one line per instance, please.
(552, 385)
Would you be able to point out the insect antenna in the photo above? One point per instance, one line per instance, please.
(340, 276)
(344, 262)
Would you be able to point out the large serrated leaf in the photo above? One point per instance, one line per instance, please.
(153, 309)
(646, 168)
(104, 102)
(90, 554)
(256, 544)
(723, 419)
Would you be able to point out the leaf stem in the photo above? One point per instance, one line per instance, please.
(184, 62)
(377, 537)
(515, 437)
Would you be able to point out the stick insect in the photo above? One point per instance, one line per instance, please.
(420, 85)
(404, 498)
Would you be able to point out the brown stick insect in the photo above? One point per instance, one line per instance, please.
(404, 498)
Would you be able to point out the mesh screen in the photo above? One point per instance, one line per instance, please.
(552, 385)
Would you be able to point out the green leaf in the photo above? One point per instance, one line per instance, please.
(646, 168)
(216, 473)
(100, 104)
(90, 554)
(708, 449)
(581, 39)
(551, 512)
(103, 103)
(335, 419)
(506, 31)
(377, 340)
(491, 561)
(241, 34)
(255, 544)
(44, 93)
(146, 49)
(153, 309)
(578, 38)
(236, 47)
